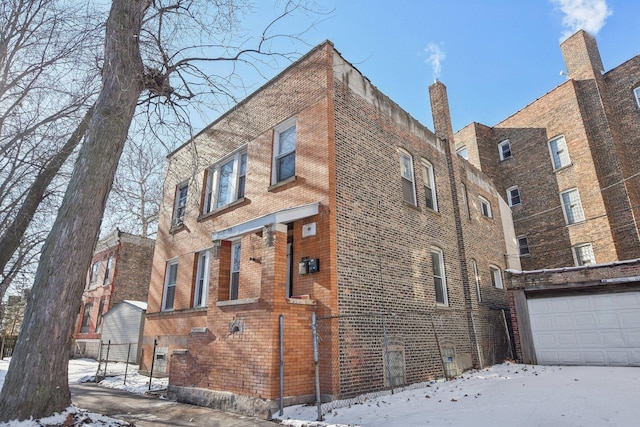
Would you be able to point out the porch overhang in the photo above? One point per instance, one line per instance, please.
(282, 216)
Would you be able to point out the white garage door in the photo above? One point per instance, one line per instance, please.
(601, 329)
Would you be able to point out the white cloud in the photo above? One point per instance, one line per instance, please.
(435, 58)
(588, 15)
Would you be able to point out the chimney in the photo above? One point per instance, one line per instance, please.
(581, 56)
(440, 111)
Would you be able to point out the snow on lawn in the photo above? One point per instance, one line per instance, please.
(507, 394)
(84, 370)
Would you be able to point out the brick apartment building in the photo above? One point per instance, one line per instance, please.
(568, 163)
(120, 270)
(319, 195)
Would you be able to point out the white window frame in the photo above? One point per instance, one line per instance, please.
(180, 203)
(234, 268)
(636, 92)
(428, 177)
(407, 175)
(485, 207)
(559, 152)
(476, 276)
(169, 282)
(201, 288)
(578, 257)
(496, 277)
(572, 206)
(93, 274)
(439, 255)
(514, 200)
(502, 151)
(463, 152)
(277, 155)
(108, 271)
(237, 180)
(524, 246)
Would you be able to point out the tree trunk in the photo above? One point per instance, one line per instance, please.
(14, 233)
(36, 384)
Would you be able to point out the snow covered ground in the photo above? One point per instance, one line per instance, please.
(507, 394)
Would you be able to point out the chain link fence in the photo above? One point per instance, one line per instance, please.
(365, 355)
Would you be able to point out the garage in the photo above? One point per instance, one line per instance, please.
(597, 329)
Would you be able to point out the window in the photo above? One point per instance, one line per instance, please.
(86, 319)
(523, 245)
(559, 152)
(406, 170)
(180, 204)
(513, 196)
(485, 207)
(636, 92)
(107, 271)
(496, 277)
(463, 152)
(95, 269)
(225, 181)
(504, 149)
(439, 281)
(100, 314)
(583, 254)
(429, 186)
(201, 289)
(284, 151)
(474, 264)
(169, 294)
(235, 270)
(572, 206)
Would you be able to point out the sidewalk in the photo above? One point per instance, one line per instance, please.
(147, 411)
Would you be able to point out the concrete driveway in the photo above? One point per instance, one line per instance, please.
(151, 411)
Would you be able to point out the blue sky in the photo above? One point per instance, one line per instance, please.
(495, 56)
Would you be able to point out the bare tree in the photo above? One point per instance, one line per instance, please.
(46, 84)
(143, 63)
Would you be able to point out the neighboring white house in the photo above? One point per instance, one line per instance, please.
(122, 331)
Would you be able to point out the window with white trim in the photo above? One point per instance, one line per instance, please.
(583, 254)
(513, 196)
(439, 279)
(485, 207)
(463, 152)
(85, 327)
(559, 152)
(201, 289)
(496, 277)
(523, 245)
(284, 151)
(93, 274)
(428, 178)
(235, 270)
(107, 271)
(636, 92)
(476, 276)
(408, 178)
(180, 204)
(170, 279)
(504, 149)
(572, 206)
(225, 181)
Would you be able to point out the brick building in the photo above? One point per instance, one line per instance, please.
(319, 195)
(120, 270)
(568, 163)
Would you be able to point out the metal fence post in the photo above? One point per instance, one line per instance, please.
(153, 359)
(281, 365)
(99, 360)
(386, 352)
(126, 367)
(314, 330)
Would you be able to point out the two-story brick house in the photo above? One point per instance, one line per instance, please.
(318, 195)
(120, 270)
(568, 163)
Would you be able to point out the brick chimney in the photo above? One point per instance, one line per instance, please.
(440, 111)
(581, 56)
